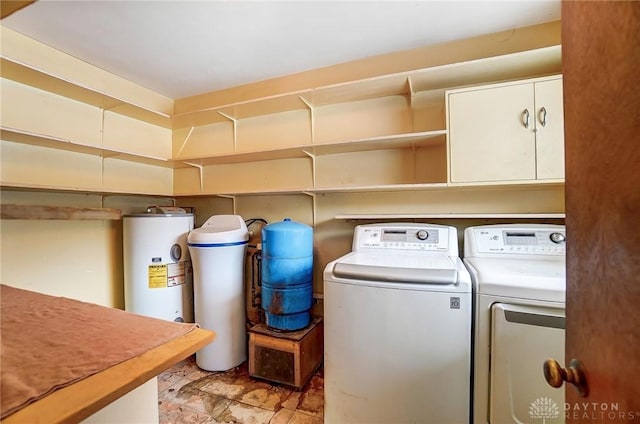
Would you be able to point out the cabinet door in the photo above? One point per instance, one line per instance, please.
(550, 136)
(488, 140)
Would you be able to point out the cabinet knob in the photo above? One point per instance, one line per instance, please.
(525, 118)
(556, 375)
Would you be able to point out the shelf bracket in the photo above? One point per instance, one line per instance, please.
(311, 118)
(411, 99)
(235, 128)
(201, 169)
(186, 139)
(313, 167)
(233, 201)
(102, 111)
(313, 206)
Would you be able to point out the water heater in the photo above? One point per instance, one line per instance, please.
(158, 277)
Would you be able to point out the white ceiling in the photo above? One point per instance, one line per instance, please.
(182, 48)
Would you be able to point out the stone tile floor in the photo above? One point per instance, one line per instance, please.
(188, 394)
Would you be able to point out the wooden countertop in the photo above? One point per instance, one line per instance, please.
(80, 400)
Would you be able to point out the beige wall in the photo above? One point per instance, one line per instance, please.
(333, 237)
(80, 259)
(83, 259)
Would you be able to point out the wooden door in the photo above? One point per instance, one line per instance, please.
(601, 67)
(549, 124)
(487, 138)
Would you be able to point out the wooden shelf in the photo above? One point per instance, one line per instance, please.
(33, 139)
(425, 138)
(418, 139)
(242, 110)
(381, 188)
(384, 188)
(10, 185)
(233, 194)
(37, 78)
(453, 216)
(537, 62)
(8, 211)
(350, 111)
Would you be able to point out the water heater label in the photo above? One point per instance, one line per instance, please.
(157, 276)
(169, 275)
(176, 274)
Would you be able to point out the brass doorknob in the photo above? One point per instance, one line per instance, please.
(556, 375)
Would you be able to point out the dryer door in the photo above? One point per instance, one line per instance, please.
(522, 338)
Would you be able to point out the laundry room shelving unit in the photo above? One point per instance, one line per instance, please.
(384, 133)
(74, 127)
(354, 131)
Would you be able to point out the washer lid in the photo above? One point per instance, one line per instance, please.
(525, 279)
(220, 230)
(409, 268)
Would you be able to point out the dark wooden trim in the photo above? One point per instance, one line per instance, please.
(10, 6)
(8, 211)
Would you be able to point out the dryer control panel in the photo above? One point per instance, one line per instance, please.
(516, 240)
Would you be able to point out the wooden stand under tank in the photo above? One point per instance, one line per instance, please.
(290, 358)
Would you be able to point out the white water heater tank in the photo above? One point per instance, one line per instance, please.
(158, 276)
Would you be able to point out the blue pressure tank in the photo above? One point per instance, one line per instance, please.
(287, 274)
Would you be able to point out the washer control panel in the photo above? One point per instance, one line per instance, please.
(413, 237)
(526, 241)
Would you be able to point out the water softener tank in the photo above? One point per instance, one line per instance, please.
(218, 253)
(287, 274)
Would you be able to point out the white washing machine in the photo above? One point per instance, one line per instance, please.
(518, 274)
(397, 328)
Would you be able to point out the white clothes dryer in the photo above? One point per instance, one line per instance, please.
(518, 274)
(397, 328)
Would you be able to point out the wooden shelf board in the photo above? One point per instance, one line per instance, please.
(544, 61)
(9, 211)
(256, 107)
(33, 139)
(434, 186)
(384, 86)
(491, 185)
(28, 75)
(240, 157)
(525, 64)
(382, 188)
(11, 185)
(551, 215)
(244, 193)
(419, 139)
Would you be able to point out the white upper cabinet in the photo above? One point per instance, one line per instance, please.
(549, 130)
(506, 132)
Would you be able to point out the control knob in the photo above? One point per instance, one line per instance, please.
(422, 235)
(557, 238)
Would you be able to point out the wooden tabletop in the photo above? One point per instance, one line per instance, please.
(78, 401)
